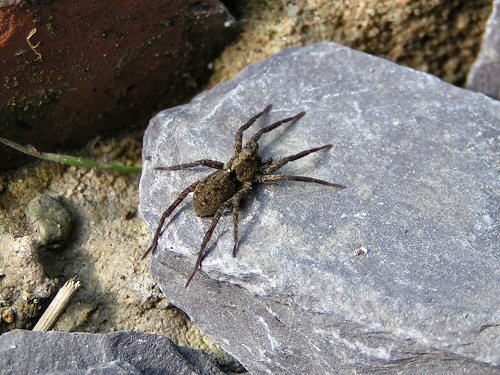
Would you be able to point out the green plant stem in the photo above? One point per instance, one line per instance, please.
(70, 160)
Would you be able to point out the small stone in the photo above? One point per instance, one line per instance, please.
(360, 251)
(8, 315)
(50, 220)
(130, 213)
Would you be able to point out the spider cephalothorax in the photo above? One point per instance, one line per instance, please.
(232, 182)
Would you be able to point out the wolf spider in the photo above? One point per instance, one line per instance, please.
(232, 182)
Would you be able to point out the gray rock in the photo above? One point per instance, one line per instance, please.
(420, 161)
(51, 221)
(27, 352)
(111, 368)
(485, 73)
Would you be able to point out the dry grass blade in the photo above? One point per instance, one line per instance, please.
(57, 306)
(70, 160)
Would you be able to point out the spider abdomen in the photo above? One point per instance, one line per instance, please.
(212, 192)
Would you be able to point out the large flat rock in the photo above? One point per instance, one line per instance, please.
(420, 161)
(58, 353)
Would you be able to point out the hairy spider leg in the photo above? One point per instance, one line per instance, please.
(233, 201)
(206, 238)
(166, 214)
(198, 163)
(280, 163)
(278, 177)
(239, 135)
(236, 214)
(267, 129)
(247, 187)
(266, 162)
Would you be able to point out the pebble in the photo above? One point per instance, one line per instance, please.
(50, 220)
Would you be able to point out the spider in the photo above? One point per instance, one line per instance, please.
(233, 181)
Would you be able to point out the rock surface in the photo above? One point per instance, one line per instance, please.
(74, 69)
(418, 158)
(27, 352)
(485, 73)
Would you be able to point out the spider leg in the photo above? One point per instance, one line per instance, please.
(166, 214)
(239, 135)
(242, 194)
(204, 244)
(267, 162)
(203, 163)
(267, 129)
(277, 165)
(278, 177)
(236, 213)
(234, 201)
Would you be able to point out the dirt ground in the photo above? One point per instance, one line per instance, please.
(104, 251)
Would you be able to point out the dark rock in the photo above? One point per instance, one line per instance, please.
(27, 352)
(485, 73)
(100, 67)
(51, 221)
(418, 157)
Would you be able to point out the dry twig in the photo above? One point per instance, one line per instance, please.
(57, 306)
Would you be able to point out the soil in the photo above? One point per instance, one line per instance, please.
(441, 37)
(105, 251)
